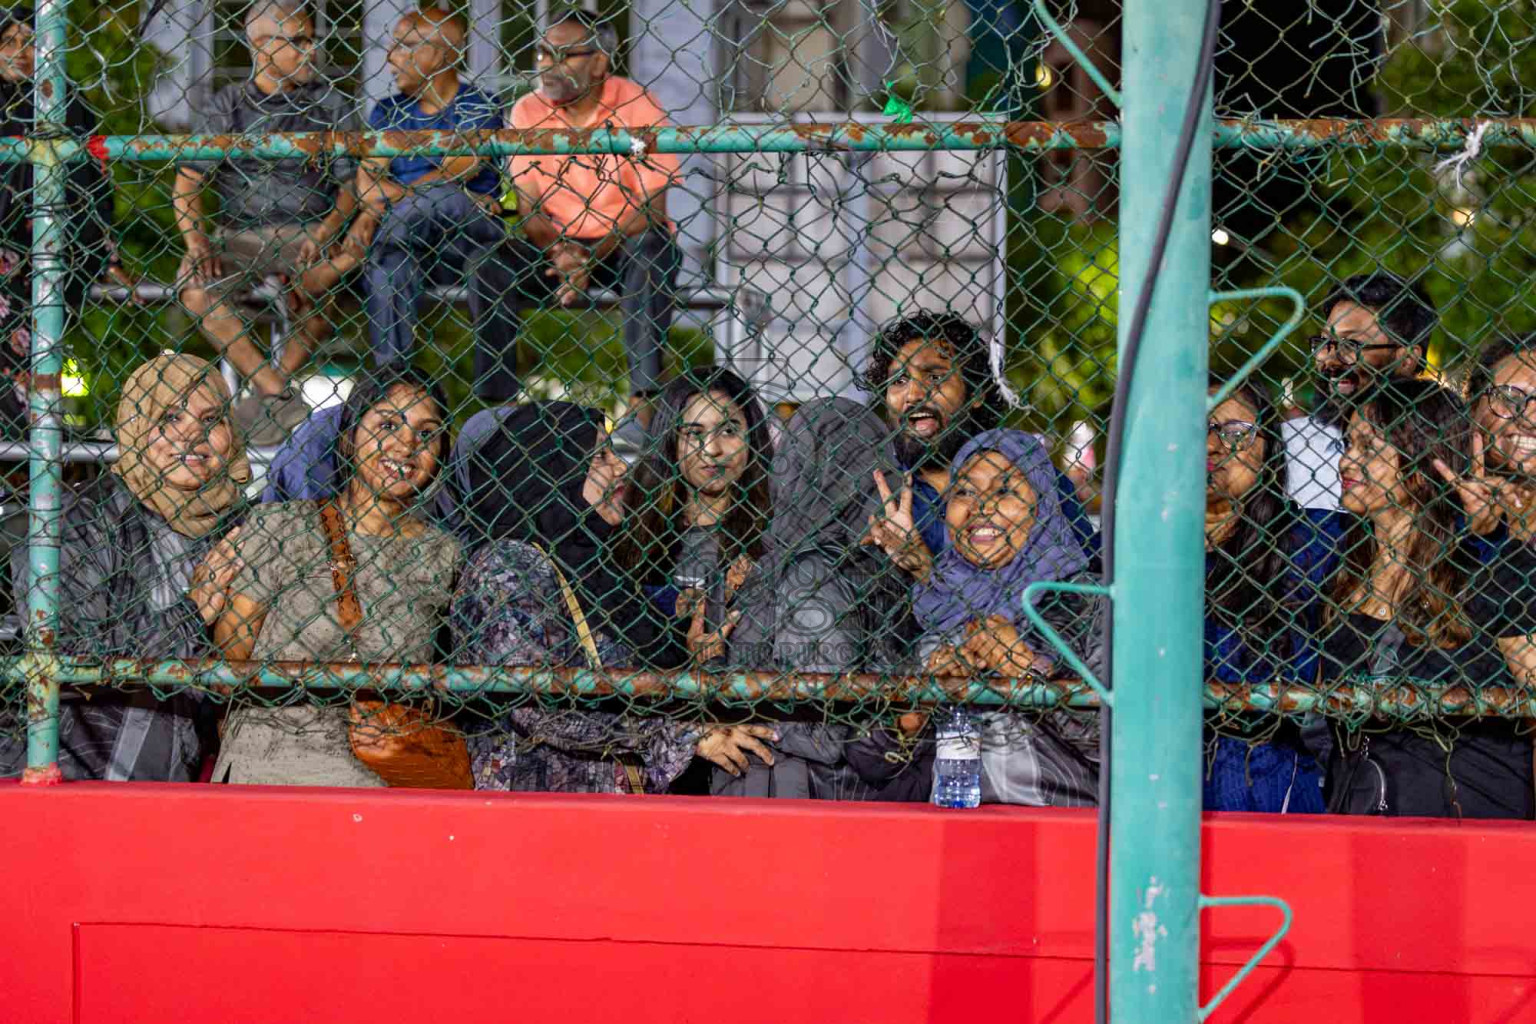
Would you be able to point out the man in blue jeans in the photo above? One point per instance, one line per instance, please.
(431, 218)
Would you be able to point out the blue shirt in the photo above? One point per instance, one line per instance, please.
(471, 109)
(304, 468)
(1312, 550)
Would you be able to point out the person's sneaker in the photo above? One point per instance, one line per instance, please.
(267, 420)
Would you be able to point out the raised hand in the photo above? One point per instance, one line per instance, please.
(895, 532)
(703, 643)
(212, 577)
(737, 574)
(1482, 496)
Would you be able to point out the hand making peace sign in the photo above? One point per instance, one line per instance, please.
(895, 532)
(1484, 498)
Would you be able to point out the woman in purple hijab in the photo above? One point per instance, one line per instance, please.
(1006, 531)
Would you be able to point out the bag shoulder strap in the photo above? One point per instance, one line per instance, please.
(579, 618)
(349, 611)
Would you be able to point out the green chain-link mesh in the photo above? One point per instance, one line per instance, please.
(779, 253)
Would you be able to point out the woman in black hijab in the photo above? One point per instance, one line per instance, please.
(543, 475)
(538, 493)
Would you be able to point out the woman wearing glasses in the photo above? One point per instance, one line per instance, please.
(1264, 565)
(1499, 496)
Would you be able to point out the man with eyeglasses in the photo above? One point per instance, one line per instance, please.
(596, 219)
(276, 218)
(1499, 496)
(1377, 328)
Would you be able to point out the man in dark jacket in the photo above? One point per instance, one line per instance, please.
(932, 374)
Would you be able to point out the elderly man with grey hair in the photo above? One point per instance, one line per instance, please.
(596, 219)
(278, 218)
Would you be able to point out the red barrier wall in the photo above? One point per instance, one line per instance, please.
(163, 903)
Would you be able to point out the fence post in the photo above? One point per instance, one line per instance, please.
(1159, 553)
(43, 395)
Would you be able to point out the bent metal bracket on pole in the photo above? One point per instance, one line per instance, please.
(1065, 39)
(1036, 590)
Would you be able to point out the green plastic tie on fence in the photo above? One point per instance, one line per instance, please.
(896, 107)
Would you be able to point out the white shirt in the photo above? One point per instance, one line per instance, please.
(1312, 450)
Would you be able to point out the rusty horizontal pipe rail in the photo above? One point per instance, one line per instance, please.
(469, 681)
(852, 136)
(1360, 698)
(157, 293)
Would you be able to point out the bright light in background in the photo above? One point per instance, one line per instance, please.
(1043, 76)
(72, 382)
(321, 391)
(1220, 236)
(1461, 216)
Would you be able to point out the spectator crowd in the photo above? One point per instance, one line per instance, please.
(1383, 541)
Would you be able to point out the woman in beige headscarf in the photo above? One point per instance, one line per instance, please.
(132, 540)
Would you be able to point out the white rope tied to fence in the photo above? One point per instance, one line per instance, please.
(1470, 151)
(995, 349)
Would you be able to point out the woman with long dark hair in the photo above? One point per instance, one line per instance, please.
(539, 495)
(700, 503)
(1399, 618)
(359, 577)
(1265, 563)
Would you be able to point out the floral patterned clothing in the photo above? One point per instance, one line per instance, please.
(509, 610)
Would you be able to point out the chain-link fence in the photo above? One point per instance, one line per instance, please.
(419, 405)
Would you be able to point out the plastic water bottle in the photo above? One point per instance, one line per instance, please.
(957, 759)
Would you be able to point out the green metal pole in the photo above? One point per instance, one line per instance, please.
(1159, 554)
(44, 527)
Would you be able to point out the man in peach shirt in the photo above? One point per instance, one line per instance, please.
(597, 218)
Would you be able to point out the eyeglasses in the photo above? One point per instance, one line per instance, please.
(559, 55)
(297, 42)
(1349, 348)
(1510, 402)
(1237, 435)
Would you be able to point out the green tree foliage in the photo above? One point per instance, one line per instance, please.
(1468, 237)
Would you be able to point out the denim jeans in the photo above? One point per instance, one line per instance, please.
(644, 272)
(437, 236)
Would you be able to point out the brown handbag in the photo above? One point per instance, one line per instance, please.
(402, 744)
